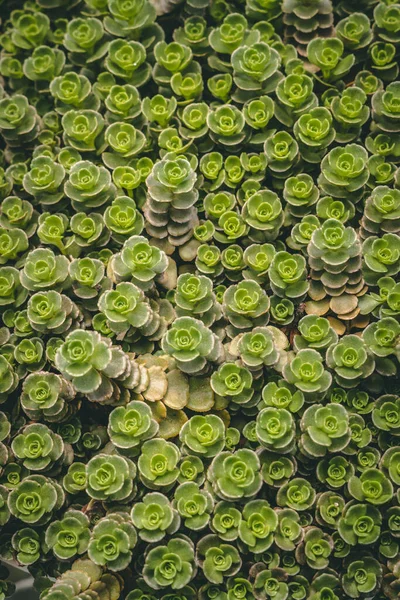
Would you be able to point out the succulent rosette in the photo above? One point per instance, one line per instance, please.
(315, 333)
(233, 382)
(235, 474)
(44, 270)
(110, 477)
(306, 372)
(227, 125)
(282, 395)
(38, 447)
(350, 360)
(191, 344)
(125, 307)
(326, 54)
(360, 524)
(275, 429)
(263, 212)
(131, 425)
(217, 559)
(372, 486)
(203, 435)
(362, 577)
(193, 505)
(326, 429)
(33, 500)
(157, 463)
(123, 219)
(296, 494)
(254, 67)
(245, 304)
(69, 536)
(288, 275)
(139, 262)
(258, 524)
(88, 185)
(271, 583)
(154, 517)
(170, 566)
(344, 171)
(82, 357)
(111, 542)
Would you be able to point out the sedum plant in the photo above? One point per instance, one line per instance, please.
(111, 541)
(200, 299)
(154, 517)
(171, 565)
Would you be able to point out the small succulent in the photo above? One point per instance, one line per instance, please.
(234, 474)
(360, 524)
(170, 566)
(157, 463)
(82, 358)
(233, 382)
(193, 505)
(110, 477)
(38, 447)
(275, 429)
(111, 542)
(258, 524)
(203, 435)
(139, 262)
(70, 536)
(33, 499)
(306, 372)
(350, 360)
(154, 517)
(326, 429)
(362, 576)
(217, 559)
(191, 344)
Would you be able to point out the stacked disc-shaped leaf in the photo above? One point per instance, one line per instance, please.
(169, 208)
(307, 20)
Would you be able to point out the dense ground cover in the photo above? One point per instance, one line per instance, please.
(200, 299)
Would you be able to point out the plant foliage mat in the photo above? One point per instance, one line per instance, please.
(200, 298)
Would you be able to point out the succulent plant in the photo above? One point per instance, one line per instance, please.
(306, 22)
(326, 55)
(233, 382)
(344, 171)
(335, 257)
(154, 517)
(203, 435)
(169, 566)
(275, 429)
(69, 536)
(139, 262)
(306, 372)
(34, 499)
(217, 559)
(158, 463)
(193, 505)
(37, 447)
(350, 360)
(110, 477)
(362, 576)
(234, 474)
(359, 524)
(326, 429)
(191, 344)
(82, 358)
(111, 541)
(200, 299)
